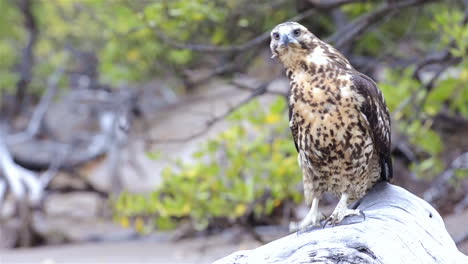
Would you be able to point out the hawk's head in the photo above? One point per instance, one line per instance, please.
(295, 46)
(289, 39)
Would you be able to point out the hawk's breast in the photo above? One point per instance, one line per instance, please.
(331, 133)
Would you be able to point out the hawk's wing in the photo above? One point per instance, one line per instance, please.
(293, 126)
(376, 113)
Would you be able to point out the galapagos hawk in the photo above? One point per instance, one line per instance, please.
(339, 122)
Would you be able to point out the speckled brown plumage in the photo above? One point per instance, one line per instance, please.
(338, 119)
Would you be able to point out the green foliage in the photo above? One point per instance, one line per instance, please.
(453, 88)
(247, 170)
(9, 37)
(460, 174)
(251, 168)
(401, 91)
(413, 106)
(448, 22)
(127, 36)
(410, 25)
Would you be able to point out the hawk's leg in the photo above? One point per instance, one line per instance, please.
(341, 211)
(310, 219)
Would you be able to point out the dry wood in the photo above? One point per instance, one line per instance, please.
(398, 228)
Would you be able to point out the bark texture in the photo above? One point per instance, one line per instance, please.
(399, 227)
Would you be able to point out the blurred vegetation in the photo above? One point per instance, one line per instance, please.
(245, 172)
(238, 176)
(239, 172)
(413, 108)
(126, 36)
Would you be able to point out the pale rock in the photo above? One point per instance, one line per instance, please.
(79, 205)
(65, 181)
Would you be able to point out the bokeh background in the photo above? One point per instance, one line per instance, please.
(156, 131)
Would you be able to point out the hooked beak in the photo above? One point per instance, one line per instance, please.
(284, 40)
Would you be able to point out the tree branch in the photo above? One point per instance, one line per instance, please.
(232, 48)
(440, 186)
(358, 26)
(329, 4)
(444, 60)
(27, 61)
(37, 117)
(341, 38)
(395, 219)
(21, 181)
(261, 89)
(430, 59)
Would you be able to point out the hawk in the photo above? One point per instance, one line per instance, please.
(339, 122)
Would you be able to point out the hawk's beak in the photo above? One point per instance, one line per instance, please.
(284, 41)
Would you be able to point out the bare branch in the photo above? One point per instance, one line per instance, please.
(56, 164)
(357, 27)
(430, 59)
(332, 3)
(440, 186)
(40, 111)
(261, 89)
(27, 61)
(340, 38)
(395, 219)
(445, 60)
(82, 147)
(21, 181)
(428, 86)
(233, 48)
(243, 86)
(44, 103)
(212, 73)
(443, 57)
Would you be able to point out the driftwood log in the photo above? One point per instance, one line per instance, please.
(398, 227)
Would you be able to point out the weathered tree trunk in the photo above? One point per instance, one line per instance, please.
(398, 228)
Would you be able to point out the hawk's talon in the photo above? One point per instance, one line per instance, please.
(324, 216)
(338, 216)
(362, 214)
(325, 223)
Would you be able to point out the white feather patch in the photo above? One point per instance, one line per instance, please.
(317, 57)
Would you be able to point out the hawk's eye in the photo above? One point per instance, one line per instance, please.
(297, 32)
(276, 36)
